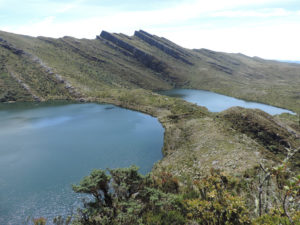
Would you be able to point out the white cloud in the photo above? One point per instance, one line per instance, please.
(69, 6)
(278, 41)
(66, 8)
(271, 39)
(128, 21)
(265, 13)
(125, 21)
(44, 27)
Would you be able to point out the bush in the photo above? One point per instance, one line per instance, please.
(39, 221)
(276, 217)
(166, 182)
(216, 203)
(165, 218)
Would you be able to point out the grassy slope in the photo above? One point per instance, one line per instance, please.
(93, 64)
(11, 90)
(254, 79)
(195, 140)
(237, 75)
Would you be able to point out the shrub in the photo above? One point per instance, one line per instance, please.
(215, 203)
(39, 221)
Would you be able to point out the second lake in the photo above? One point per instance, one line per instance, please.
(216, 102)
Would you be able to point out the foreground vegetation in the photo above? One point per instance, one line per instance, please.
(123, 196)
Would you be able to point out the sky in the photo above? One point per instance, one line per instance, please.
(268, 29)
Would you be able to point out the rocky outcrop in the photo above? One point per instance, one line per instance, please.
(106, 42)
(32, 59)
(25, 86)
(35, 60)
(12, 48)
(148, 38)
(117, 41)
(219, 61)
(51, 41)
(260, 126)
(220, 57)
(168, 43)
(265, 130)
(221, 68)
(56, 77)
(145, 58)
(80, 52)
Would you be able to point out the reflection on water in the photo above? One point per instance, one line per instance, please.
(44, 149)
(40, 123)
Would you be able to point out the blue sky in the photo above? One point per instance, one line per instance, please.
(265, 28)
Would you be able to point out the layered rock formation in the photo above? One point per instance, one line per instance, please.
(150, 39)
(145, 58)
(10, 47)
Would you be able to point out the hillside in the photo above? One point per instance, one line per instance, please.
(68, 66)
(118, 69)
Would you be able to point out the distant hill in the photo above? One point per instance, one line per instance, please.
(46, 68)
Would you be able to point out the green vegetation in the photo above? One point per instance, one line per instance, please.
(275, 136)
(92, 65)
(123, 196)
(292, 121)
(135, 199)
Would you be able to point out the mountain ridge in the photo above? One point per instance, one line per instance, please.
(154, 63)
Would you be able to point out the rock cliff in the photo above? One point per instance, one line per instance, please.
(150, 40)
(145, 58)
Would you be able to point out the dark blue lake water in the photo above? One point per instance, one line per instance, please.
(216, 102)
(46, 148)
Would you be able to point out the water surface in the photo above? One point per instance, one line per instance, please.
(216, 102)
(46, 148)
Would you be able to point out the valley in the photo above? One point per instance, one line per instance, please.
(123, 70)
(127, 71)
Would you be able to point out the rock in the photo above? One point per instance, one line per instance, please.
(221, 68)
(11, 47)
(150, 40)
(80, 52)
(148, 60)
(215, 162)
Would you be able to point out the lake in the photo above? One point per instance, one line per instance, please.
(44, 148)
(216, 102)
